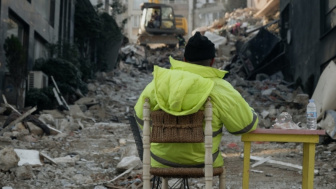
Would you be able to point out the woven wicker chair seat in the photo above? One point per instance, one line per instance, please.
(183, 172)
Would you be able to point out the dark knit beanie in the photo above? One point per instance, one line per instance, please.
(198, 48)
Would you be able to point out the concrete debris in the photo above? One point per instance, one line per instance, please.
(284, 164)
(8, 159)
(91, 145)
(328, 123)
(325, 91)
(30, 157)
(24, 172)
(128, 162)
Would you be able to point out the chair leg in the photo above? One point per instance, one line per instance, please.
(164, 183)
(156, 182)
(222, 179)
(186, 184)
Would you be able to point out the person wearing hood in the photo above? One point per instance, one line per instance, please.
(182, 90)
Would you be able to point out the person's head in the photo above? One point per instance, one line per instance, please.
(199, 50)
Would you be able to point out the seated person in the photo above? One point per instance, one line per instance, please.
(156, 19)
(183, 90)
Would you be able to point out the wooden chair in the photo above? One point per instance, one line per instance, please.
(161, 127)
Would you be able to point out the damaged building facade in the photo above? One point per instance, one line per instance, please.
(36, 23)
(308, 29)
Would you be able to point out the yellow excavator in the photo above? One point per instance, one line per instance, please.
(159, 24)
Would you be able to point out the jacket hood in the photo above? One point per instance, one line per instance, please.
(180, 92)
(204, 71)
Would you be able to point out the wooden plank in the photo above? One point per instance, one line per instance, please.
(269, 9)
(18, 120)
(10, 106)
(57, 97)
(280, 163)
(261, 161)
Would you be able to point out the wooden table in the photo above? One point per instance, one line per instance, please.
(308, 137)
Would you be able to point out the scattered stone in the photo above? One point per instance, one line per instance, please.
(8, 159)
(24, 172)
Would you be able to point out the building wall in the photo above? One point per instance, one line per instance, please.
(309, 48)
(41, 21)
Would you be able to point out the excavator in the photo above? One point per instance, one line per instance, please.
(159, 25)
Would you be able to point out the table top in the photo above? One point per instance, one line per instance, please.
(289, 131)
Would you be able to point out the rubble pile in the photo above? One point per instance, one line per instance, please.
(92, 145)
(234, 30)
(143, 58)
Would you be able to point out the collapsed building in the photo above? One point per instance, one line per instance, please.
(90, 143)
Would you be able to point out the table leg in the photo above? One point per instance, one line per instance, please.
(308, 165)
(246, 171)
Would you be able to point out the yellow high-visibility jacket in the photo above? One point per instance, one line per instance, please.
(182, 90)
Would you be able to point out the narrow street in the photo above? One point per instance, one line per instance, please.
(72, 71)
(92, 144)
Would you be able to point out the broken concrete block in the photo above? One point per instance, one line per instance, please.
(264, 113)
(122, 142)
(129, 162)
(76, 112)
(67, 159)
(82, 179)
(325, 91)
(301, 99)
(98, 111)
(29, 138)
(328, 123)
(47, 119)
(91, 87)
(86, 101)
(35, 129)
(24, 172)
(332, 147)
(55, 113)
(224, 50)
(8, 159)
(31, 157)
(19, 127)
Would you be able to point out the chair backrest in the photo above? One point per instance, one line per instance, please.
(168, 128)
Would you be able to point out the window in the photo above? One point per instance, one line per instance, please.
(40, 47)
(328, 20)
(52, 13)
(136, 21)
(15, 28)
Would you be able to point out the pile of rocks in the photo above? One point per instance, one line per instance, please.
(92, 146)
